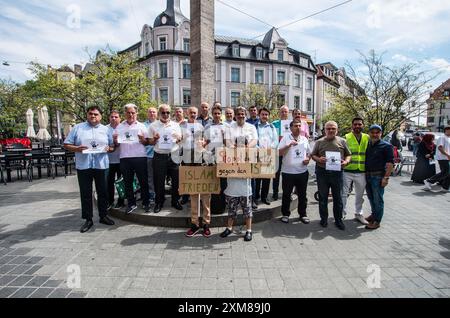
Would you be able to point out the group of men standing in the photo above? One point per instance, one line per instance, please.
(153, 151)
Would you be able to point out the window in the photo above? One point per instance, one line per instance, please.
(164, 95)
(259, 53)
(235, 75)
(186, 45)
(281, 100)
(447, 93)
(430, 120)
(163, 70)
(309, 104)
(281, 77)
(236, 50)
(186, 97)
(297, 80)
(147, 48)
(297, 102)
(259, 76)
(280, 55)
(442, 105)
(162, 43)
(186, 70)
(235, 99)
(309, 83)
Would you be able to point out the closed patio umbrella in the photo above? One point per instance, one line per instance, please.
(43, 124)
(30, 130)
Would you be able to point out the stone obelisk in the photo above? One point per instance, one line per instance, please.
(202, 52)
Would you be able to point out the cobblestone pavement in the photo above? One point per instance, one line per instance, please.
(39, 239)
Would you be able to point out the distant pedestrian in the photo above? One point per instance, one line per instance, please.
(443, 157)
(425, 166)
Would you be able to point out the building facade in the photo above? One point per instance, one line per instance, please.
(330, 82)
(164, 50)
(438, 112)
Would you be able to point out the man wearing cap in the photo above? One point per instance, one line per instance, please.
(354, 173)
(379, 165)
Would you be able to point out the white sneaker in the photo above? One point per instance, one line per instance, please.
(427, 185)
(360, 218)
(445, 191)
(285, 219)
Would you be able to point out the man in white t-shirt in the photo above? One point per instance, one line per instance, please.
(443, 157)
(296, 154)
(131, 137)
(239, 191)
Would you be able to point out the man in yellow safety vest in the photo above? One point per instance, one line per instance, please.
(355, 172)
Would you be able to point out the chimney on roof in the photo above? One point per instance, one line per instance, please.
(77, 69)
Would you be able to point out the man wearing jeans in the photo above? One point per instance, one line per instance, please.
(357, 141)
(331, 154)
(443, 157)
(91, 141)
(379, 165)
(296, 154)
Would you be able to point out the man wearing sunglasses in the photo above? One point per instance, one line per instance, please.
(165, 135)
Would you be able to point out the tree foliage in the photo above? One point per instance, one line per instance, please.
(393, 94)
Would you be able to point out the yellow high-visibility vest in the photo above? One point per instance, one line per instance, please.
(358, 150)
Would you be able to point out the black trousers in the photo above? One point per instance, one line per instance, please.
(443, 177)
(276, 181)
(262, 189)
(85, 179)
(299, 181)
(114, 174)
(325, 181)
(163, 166)
(138, 166)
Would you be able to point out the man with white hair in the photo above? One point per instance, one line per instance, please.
(131, 137)
(165, 135)
(331, 155)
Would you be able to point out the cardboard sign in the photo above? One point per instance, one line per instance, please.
(198, 180)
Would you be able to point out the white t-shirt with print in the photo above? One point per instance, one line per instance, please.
(443, 141)
(293, 159)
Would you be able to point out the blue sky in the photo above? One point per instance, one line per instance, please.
(406, 30)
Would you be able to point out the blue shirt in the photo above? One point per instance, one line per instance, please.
(378, 155)
(253, 121)
(203, 121)
(114, 157)
(150, 149)
(82, 135)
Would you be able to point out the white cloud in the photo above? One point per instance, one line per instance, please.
(30, 29)
(439, 64)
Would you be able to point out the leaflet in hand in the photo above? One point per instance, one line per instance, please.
(128, 137)
(165, 142)
(94, 147)
(285, 127)
(333, 161)
(298, 153)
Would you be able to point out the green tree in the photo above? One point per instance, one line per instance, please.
(260, 95)
(393, 94)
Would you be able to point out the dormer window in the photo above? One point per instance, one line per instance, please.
(280, 55)
(162, 43)
(259, 53)
(447, 93)
(236, 50)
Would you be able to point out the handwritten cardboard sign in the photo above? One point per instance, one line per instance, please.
(246, 163)
(198, 180)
